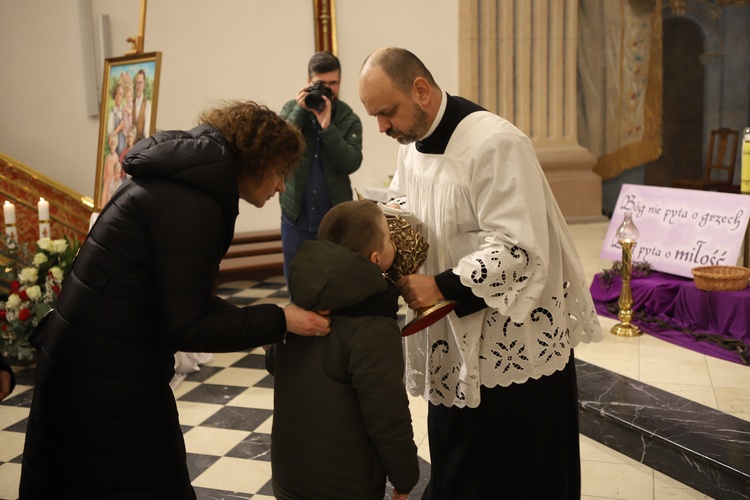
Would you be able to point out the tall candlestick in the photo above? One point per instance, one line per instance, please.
(43, 208)
(628, 235)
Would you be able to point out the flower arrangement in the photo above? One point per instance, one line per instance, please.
(33, 282)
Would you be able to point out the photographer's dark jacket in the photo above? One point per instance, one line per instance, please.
(340, 155)
(341, 421)
(103, 421)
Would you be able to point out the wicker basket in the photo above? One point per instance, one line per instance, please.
(721, 278)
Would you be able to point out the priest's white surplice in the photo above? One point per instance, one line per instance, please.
(488, 213)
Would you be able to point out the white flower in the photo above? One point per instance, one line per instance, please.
(44, 243)
(34, 292)
(28, 275)
(13, 301)
(59, 246)
(57, 273)
(10, 314)
(40, 259)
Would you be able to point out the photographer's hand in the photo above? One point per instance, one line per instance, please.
(324, 117)
(301, 94)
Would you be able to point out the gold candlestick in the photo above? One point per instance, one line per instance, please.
(627, 234)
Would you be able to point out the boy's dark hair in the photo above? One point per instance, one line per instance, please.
(323, 62)
(354, 225)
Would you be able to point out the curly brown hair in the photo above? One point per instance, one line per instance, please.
(262, 142)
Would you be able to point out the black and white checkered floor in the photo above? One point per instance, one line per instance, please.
(226, 411)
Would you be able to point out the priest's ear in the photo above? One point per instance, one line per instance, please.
(421, 89)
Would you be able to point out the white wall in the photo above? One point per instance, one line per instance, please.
(225, 49)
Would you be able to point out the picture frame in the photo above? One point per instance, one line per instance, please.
(130, 95)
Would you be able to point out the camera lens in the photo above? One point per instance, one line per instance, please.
(315, 101)
(314, 98)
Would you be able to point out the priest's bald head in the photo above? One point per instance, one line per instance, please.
(399, 91)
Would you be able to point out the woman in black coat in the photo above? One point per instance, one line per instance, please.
(103, 421)
(7, 379)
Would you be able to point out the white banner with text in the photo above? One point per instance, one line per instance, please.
(680, 228)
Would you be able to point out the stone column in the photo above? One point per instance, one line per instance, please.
(518, 59)
(714, 70)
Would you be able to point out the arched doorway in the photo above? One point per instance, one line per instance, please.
(683, 103)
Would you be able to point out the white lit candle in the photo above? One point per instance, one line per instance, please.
(9, 211)
(43, 207)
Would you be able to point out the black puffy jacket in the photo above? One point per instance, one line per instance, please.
(103, 421)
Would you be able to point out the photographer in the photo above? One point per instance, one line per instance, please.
(333, 138)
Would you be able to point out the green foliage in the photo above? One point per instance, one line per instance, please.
(639, 270)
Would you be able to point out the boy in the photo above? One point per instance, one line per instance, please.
(341, 422)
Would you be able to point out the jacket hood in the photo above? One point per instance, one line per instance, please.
(324, 275)
(199, 157)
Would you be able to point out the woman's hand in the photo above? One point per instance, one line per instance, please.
(307, 323)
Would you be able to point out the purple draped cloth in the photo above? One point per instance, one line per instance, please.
(676, 301)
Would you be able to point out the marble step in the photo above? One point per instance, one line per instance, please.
(701, 447)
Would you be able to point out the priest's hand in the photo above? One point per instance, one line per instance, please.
(419, 291)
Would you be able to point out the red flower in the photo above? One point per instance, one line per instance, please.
(3, 314)
(24, 314)
(56, 289)
(14, 286)
(24, 296)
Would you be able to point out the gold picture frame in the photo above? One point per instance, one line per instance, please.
(130, 94)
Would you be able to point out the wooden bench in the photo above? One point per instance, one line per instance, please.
(254, 256)
(257, 248)
(256, 236)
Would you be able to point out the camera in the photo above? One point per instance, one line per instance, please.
(314, 98)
